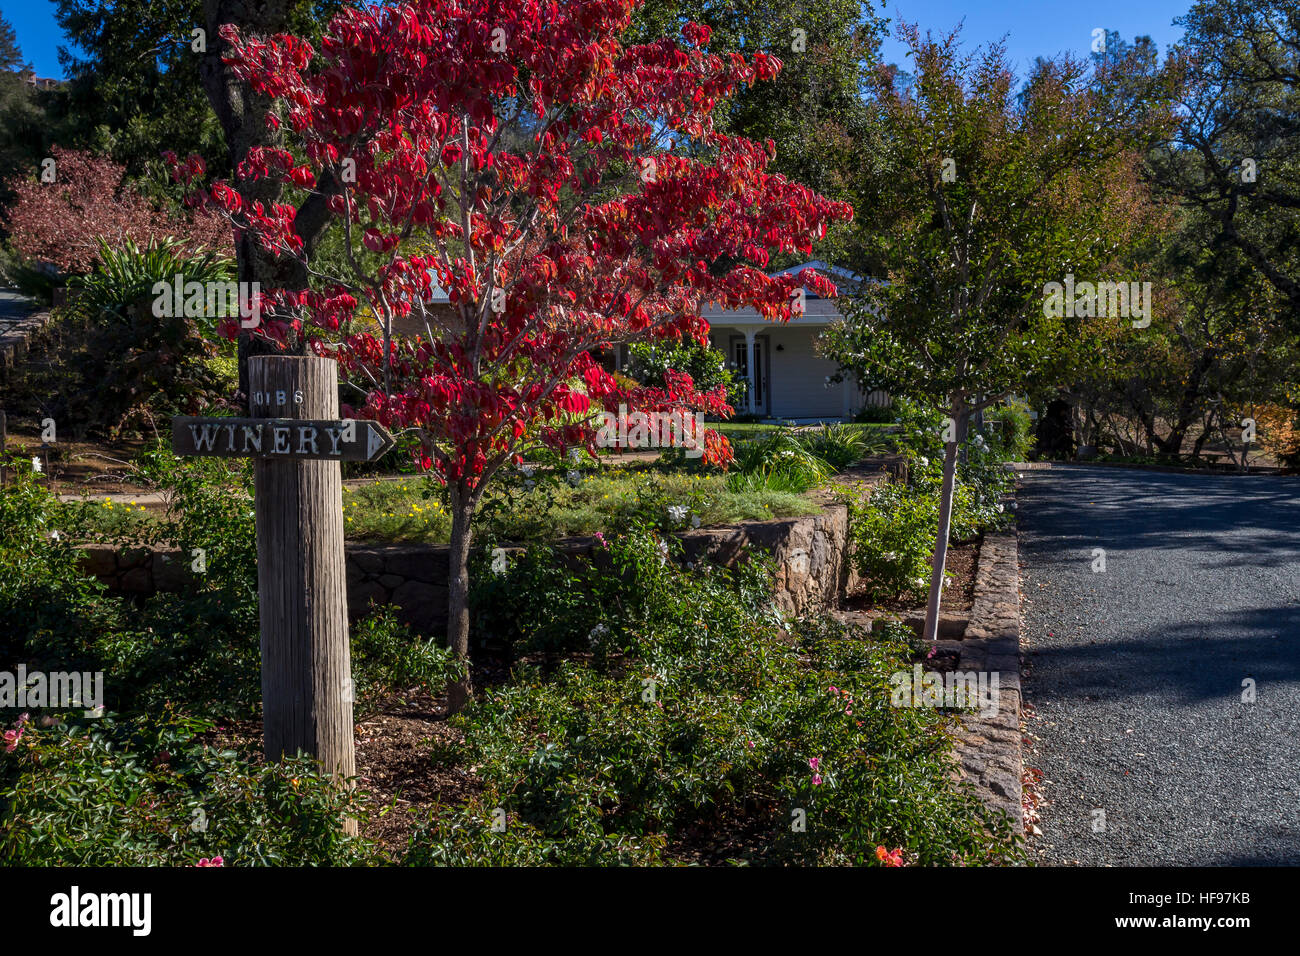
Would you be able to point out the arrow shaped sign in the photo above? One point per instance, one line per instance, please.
(272, 438)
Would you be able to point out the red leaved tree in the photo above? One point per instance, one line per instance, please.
(61, 222)
(568, 192)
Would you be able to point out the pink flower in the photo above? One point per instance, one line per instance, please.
(11, 738)
(817, 780)
(215, 861)
(833, 689)
(890, 859)
(814, 762)
(22, 719)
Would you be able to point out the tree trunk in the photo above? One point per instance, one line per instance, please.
(242, 116)
(462, 513)
(960, 421)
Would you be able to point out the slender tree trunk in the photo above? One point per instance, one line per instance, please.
(242, 115)
(960, 422)
(462, 512)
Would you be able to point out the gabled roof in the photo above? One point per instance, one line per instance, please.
(817, 310)
(837, 274)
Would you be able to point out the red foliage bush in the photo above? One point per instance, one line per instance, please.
(61, 222)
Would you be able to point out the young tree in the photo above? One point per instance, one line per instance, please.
(986, 196)
(523, 158)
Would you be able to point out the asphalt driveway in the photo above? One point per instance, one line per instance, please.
(1136, 671)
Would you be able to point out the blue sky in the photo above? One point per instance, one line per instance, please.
(1035, 27)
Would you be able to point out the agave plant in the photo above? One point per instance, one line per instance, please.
(842, 445)
(127, 275)
(778, 462)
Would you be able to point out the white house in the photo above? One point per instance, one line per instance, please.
(787, 379)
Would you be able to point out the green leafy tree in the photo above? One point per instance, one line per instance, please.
(986, 196)
(1235, 155)
(148, 82)
(21, 112)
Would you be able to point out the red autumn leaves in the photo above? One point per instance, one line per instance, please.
(498, 150)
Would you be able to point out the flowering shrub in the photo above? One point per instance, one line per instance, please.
(893, 531)
(65, 221)
(691, 709)
(893, 538)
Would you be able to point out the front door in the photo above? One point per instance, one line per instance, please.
(740, 352)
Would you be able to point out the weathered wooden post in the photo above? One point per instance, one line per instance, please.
(301, 577)
(297, 444)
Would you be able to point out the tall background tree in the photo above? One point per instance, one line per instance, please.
(1235, 156)
(24, 133)
(985, 196)
(813, 110)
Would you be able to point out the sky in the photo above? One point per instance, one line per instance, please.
(1036, 27)
(1033, 27)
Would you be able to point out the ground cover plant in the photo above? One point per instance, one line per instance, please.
(658, 712)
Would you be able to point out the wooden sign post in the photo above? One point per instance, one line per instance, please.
(297, 443)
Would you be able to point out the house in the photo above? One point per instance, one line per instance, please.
(30, 78)
(785, 376)
(790, 380)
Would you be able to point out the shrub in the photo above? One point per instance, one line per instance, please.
(841, 446)
(67, 222)
(893, 535)
(648, 363)
(112, 363)
(875, 415)
(388, 658)
(693, 708)
(777, 461)
(160, 791)
(1009, 431)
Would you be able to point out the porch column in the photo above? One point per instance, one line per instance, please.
(752, 370)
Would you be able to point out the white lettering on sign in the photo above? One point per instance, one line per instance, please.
(204, 436)
(305, 434)
(278, 437)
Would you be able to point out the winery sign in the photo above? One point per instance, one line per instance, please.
(345, 440)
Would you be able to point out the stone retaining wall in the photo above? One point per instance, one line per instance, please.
(810, 552)
(13, 340)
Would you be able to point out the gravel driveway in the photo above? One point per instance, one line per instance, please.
(1136, 672)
